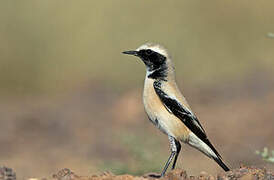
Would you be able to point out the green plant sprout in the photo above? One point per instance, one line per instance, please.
(266, 155)
(270, 35)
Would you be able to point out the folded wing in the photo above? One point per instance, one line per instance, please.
(186, 116)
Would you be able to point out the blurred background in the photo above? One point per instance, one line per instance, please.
(69, 98)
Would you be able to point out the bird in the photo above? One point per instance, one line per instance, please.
(167, 108)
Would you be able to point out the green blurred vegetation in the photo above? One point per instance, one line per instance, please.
(49, 46)
(266, 155)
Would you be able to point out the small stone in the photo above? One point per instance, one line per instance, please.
(65, 174)
(211, 177)
(248, 177)
(177, 174)
(7, 173)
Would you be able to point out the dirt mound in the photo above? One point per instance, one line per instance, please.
(243, 173)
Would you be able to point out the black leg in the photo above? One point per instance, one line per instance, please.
(178, 146)
(168, 162)
(174, 152)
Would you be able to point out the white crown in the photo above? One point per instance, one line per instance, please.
(154, 47)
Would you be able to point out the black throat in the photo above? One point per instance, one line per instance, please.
(159, 73)
(155, 62)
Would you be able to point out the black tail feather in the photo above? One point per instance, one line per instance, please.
(218, 159)
(221, 163)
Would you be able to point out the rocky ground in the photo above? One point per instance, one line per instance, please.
(242, 173)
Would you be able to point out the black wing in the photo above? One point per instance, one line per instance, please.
(187, 117)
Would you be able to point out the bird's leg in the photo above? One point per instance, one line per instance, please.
(173, 148)
(178, 146)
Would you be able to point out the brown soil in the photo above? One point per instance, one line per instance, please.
(242, 173)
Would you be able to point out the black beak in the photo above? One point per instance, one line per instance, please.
(135, 53)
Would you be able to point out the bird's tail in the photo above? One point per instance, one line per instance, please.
(217, 157)
(221, 163)
(207, 148)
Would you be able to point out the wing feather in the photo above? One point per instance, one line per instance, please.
(186, 116)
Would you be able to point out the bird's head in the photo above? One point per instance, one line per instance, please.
(154, 56)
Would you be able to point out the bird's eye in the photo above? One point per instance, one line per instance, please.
(148, 51)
